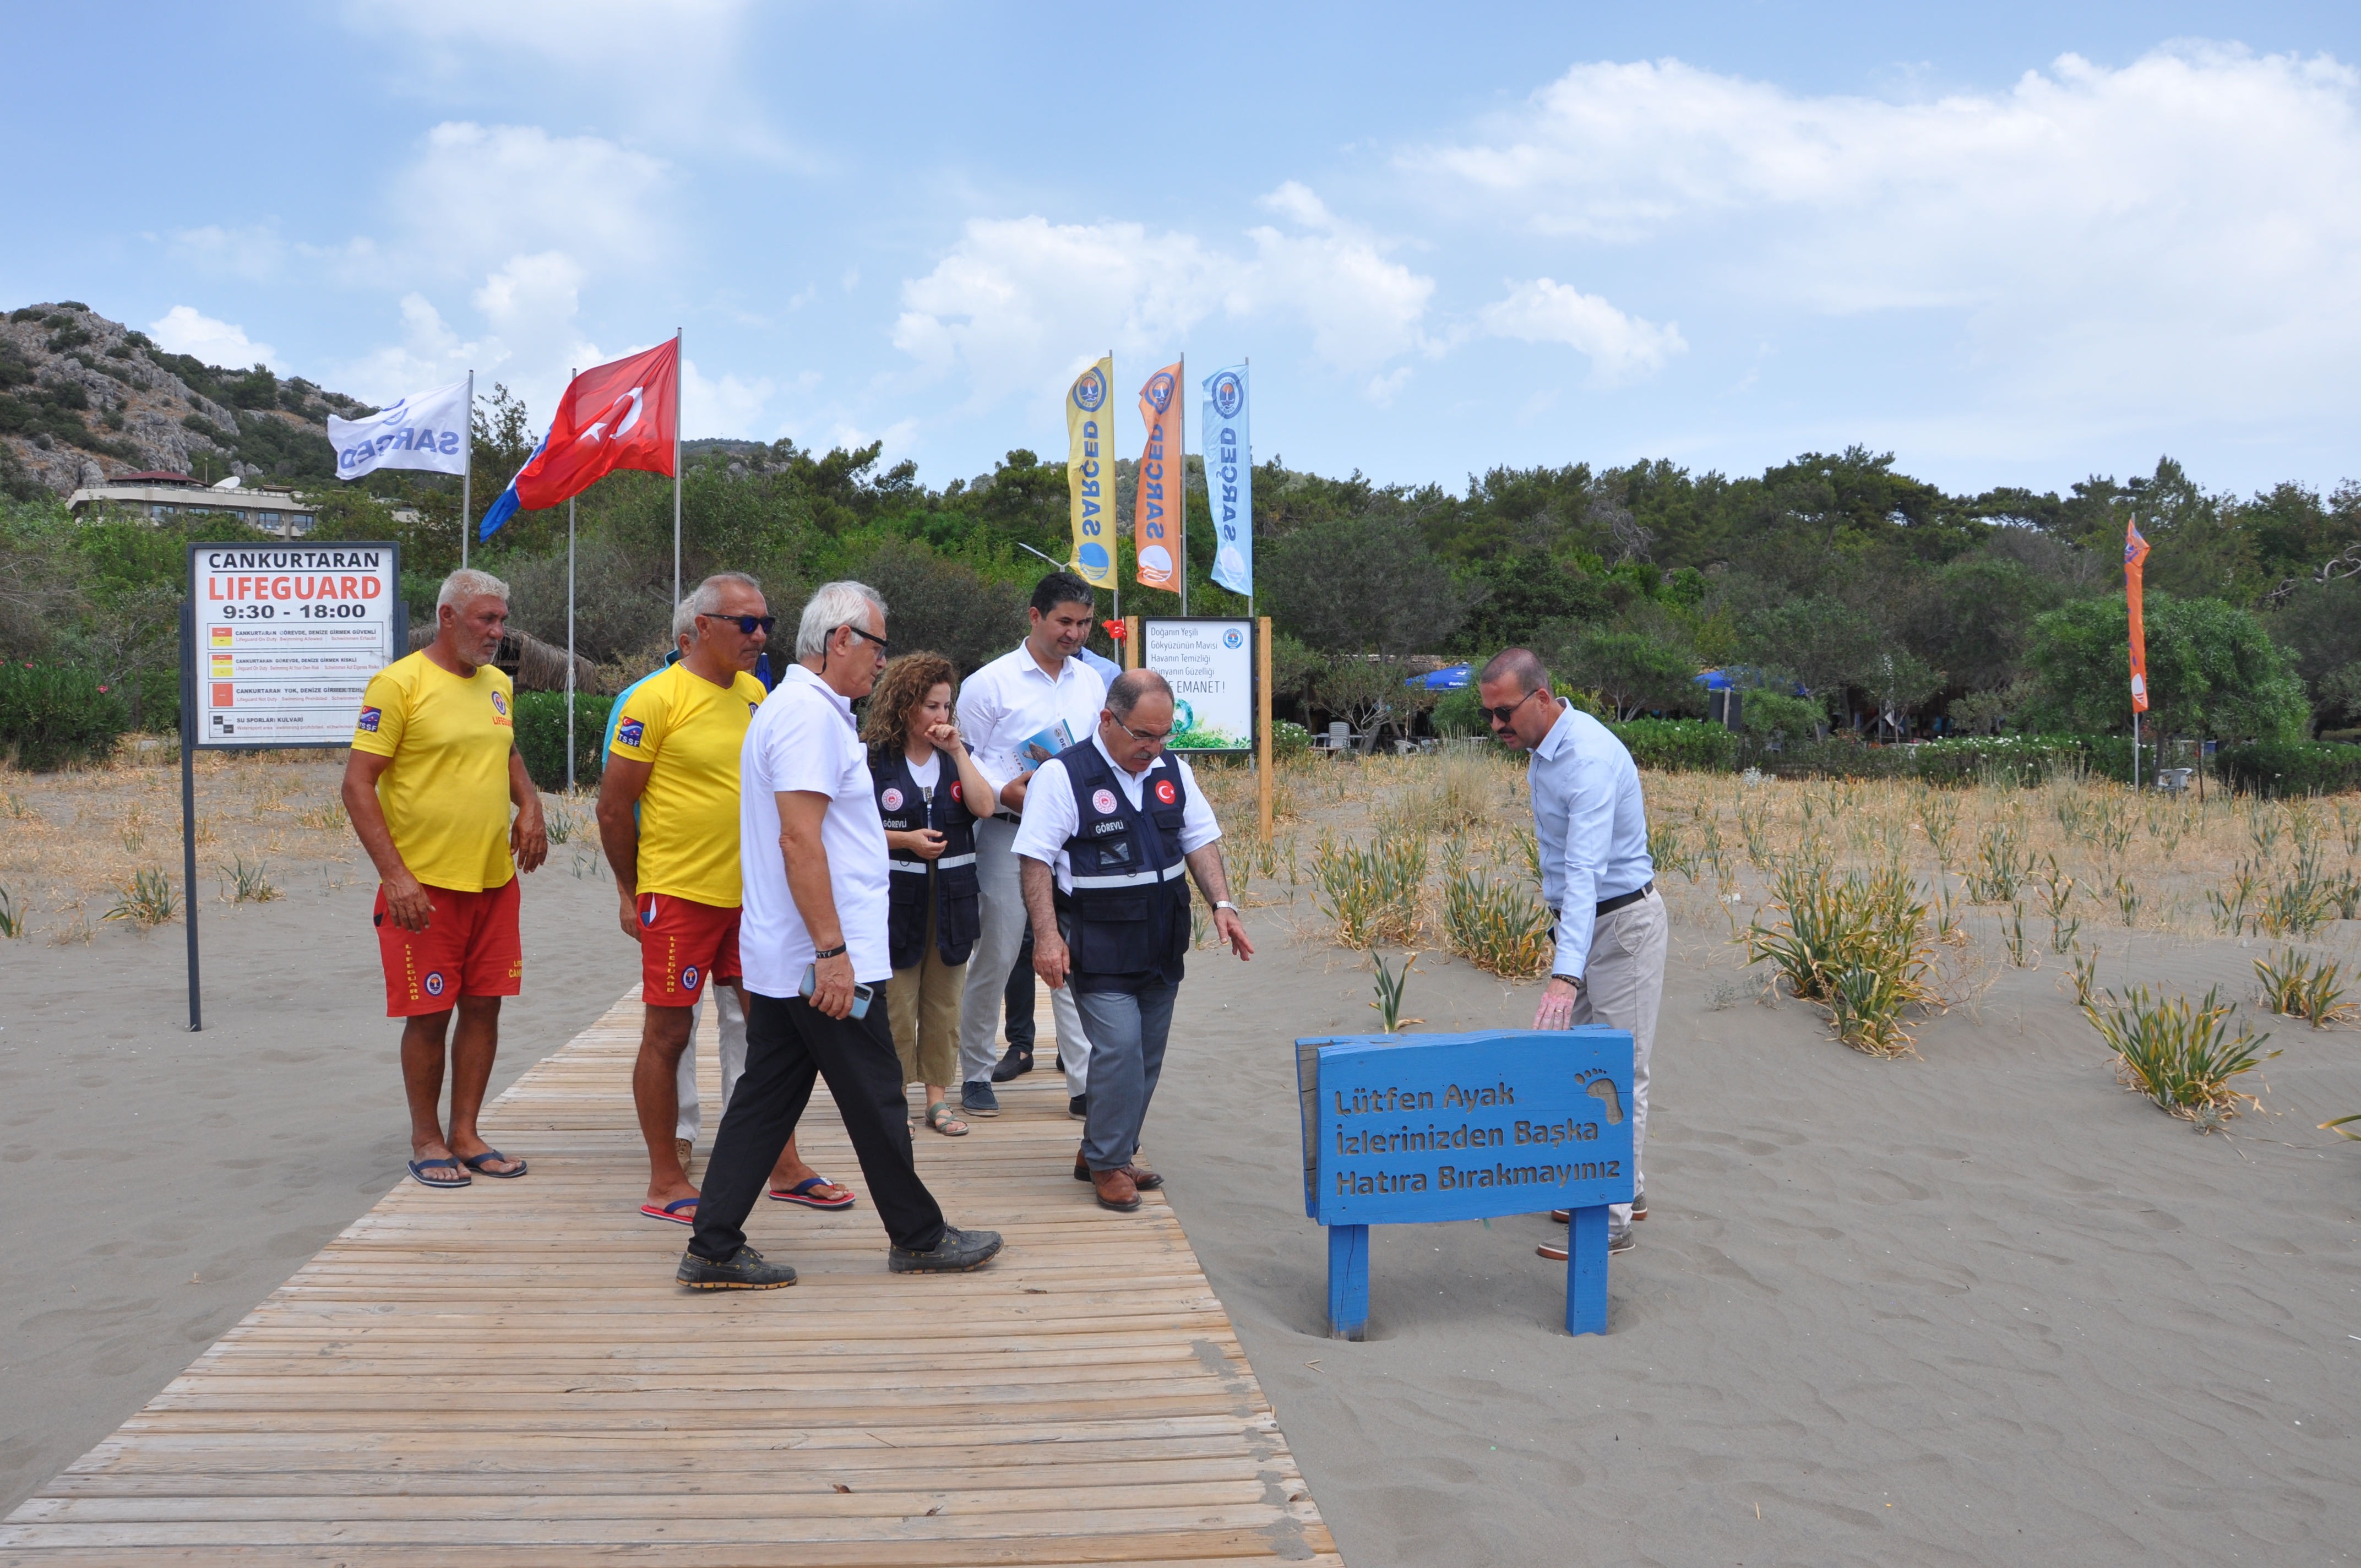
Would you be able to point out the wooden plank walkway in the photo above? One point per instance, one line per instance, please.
(508, 1375)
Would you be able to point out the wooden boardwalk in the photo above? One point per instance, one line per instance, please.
(508, 1375)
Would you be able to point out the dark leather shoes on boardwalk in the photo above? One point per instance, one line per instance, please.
(1146, 1180)
(958, 1252)
(744, 1271)
(1117, 1191)
(1015, 1064)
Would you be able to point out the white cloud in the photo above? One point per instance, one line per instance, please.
(2177, 237)
(254, 252)
(1020, 305)
(728, 407)
(477, 194)
(1620, 345)
(671, 70)
(185, 330)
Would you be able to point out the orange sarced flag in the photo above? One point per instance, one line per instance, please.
(1156, 507)
(2135, 561)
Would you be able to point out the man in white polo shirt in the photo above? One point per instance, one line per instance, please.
(1041, 692)
(812, 948)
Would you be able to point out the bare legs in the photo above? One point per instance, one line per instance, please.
(471, 1050)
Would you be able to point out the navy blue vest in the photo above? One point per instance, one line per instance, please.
(1128, 910)
(903, 808)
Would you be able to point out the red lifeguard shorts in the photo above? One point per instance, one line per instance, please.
(470, 948)
(682, 944)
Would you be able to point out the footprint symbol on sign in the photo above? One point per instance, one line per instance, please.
(1604, 1092)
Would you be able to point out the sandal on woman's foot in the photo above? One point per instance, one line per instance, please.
(939, 1117)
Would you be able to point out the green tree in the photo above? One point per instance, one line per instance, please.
(1362, 585)
(2213, 673)
(1634, 670)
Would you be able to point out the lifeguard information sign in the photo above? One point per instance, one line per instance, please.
(287, 638)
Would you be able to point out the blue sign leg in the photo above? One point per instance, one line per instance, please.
(1585, 1272)
(1348, 1279)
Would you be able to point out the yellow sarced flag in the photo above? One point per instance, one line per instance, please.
(1156, 507)
(1089, 472)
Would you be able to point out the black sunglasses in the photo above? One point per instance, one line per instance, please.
(884, 646)
(1502, 715)
(747, 624)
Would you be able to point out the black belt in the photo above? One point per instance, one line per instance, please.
(1609, 906)
(1008, 817)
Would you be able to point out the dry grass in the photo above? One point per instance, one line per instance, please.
(77, 842)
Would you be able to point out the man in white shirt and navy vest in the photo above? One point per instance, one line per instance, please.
(1596, 878)
(1111, 826)
(1016, 713)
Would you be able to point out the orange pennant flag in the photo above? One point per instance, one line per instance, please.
(1156, 506)
(2135, 567)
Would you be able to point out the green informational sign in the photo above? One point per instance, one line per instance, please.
(1210, 662)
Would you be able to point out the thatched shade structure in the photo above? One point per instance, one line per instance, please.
(532, 664)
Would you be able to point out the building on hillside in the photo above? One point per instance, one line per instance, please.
(274, 509)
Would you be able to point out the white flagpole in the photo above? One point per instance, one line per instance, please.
(679, 374)
(1180, 490)
(468, 475)
(569, 644)
(569, 633)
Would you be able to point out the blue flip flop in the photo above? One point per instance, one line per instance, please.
(801, 1193)
(671, 1211)
(476, 1163)
(416, 1166)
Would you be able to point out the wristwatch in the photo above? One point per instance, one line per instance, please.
(1226, 904)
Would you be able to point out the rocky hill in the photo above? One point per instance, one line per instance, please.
(83, 399)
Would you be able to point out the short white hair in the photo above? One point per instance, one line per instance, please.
(706, 599)
(833, 605)
(465, 584)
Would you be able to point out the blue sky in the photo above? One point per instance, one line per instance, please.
(2014, 244)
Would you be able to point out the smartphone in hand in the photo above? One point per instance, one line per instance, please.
(861, 994)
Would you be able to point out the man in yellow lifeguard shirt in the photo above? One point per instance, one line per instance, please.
(433, 771)
(668, 821)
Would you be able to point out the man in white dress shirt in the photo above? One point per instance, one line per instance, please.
(1041, 688)
(811, 938)
(1117, 823)
(1596, 878)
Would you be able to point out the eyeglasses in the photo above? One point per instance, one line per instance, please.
(1156, 738)
(747, 624)
(884, 646)
(1502, 715)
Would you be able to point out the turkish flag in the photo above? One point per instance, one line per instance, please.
(625, 414)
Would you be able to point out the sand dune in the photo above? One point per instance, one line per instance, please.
(1981, 1307)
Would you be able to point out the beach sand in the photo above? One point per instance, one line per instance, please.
(1979, 1306)
(1982, 1307)
(155, 1184)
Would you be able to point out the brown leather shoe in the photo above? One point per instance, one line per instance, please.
(1116, 1191)
(1146, 1180)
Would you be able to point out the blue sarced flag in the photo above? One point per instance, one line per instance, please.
(1229, 478)
(504, 504)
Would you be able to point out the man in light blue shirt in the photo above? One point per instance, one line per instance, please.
(1592, 824)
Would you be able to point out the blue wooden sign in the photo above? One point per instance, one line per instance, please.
(1411, 1129)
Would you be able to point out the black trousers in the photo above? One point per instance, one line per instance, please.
(1017, 999)
(788, 1042)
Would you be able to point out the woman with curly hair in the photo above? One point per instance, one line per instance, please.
(932, 918)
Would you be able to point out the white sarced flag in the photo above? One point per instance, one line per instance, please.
(428, 430)
(1229, 478)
